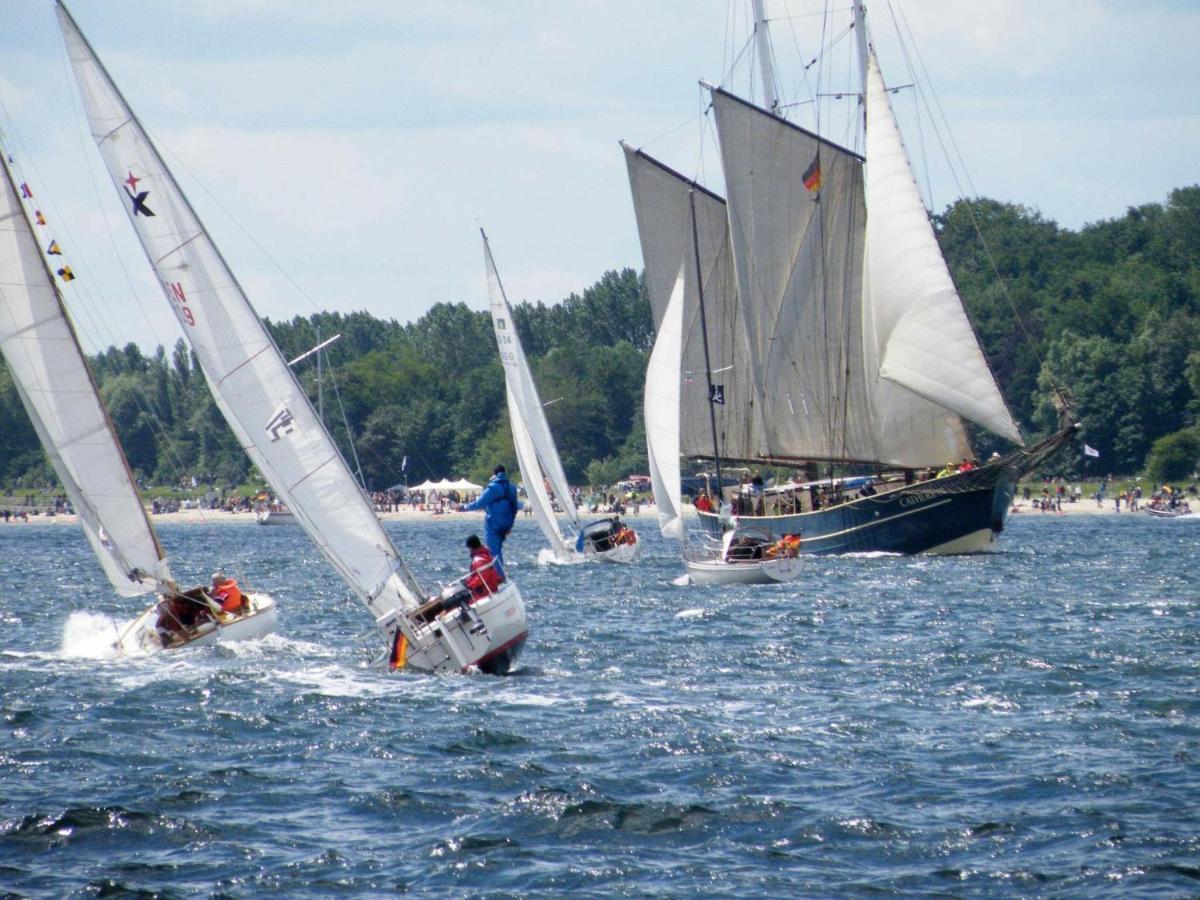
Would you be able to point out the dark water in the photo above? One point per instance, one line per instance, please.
(1018, 724)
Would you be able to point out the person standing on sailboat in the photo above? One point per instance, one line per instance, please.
(499, 504)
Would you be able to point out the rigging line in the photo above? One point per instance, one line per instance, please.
(970, 206)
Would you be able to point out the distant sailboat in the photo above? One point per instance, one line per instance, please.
(741, 556)
(59, 392)
(835, 333)
(605, 539)
(270, 413)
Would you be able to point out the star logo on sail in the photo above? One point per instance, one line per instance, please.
(281, 423)
(138, 198)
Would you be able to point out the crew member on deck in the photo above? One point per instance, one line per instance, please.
(484, 579)
(500, 504)
(226, 592)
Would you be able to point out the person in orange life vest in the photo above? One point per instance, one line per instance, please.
(484, 579)
(225, 591)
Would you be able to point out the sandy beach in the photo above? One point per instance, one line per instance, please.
(1085, 507)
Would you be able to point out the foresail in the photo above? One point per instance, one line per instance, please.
(255, 390)
(661, 405)
(796, 219)
(55, 385)
(531, 476)
(663, 206)
(524, 394)
(925, 339)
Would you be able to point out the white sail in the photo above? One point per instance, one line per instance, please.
(58, 391)
(536, 451)
(919, 325)
(255, 390)
(798, 260)
(663, 201)
(531, 475)
(661, 405)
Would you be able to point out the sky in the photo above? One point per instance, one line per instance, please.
(344, 155)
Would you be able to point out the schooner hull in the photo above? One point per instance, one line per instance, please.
(958, 514)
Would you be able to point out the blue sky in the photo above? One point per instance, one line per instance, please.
(344, 154)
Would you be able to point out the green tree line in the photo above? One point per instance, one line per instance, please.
(1110, 311)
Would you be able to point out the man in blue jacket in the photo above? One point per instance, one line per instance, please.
(499, 504)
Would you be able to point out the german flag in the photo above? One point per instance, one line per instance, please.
(812, 175)
(399, 655)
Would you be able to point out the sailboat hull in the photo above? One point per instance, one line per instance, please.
(488, 637)
(718, 571)
(962, 513)
(142, 636)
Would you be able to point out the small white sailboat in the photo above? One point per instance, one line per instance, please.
(743, 555)
(274, 514)
(59, 392)
(607, 539)
(270, 414)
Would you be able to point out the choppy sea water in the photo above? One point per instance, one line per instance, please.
(1023, 723)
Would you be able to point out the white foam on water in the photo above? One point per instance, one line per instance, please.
(547, 557)
(682, 581)
(90, 635)
(335, 681)
(690, 613)
(869, 554)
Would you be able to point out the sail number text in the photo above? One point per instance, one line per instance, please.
(179, 298)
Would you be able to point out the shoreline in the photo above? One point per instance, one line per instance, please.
(1023, 508)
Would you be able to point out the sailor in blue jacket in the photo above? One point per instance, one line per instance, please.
(499, 504)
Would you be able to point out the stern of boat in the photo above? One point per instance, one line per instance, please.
(487, 635)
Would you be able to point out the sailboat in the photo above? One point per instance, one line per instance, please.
(59, 392)
(830, 335)
(608, 538)
(271, 415)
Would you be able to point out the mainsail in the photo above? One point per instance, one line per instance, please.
(536, 453)
(259, 396)
(58, 391)
(661, 405)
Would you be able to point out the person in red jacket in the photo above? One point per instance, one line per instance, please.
(484, 579)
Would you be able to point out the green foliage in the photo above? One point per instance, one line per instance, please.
(1174, 457)
(1111, 312)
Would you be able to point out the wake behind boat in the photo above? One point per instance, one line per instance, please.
(269, 412)
(59, 392)
(819, 309)
(608, 539)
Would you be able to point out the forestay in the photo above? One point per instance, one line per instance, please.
(58, 391)
(253, 386)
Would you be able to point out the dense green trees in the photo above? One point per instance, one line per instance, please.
(1111, 312)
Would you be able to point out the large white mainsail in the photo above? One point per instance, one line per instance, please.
(921, 337)
(56, 386)
(260, 398)
(661, 405)
(537, 454)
